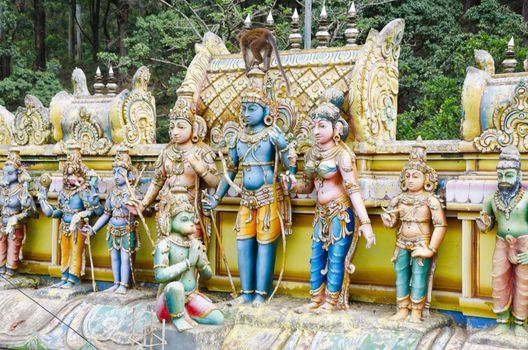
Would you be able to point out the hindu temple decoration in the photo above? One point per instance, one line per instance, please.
(186, 164)
(508, 124)
(421, 222)
(506, 209)
(257, 146)
(6, 123)
(138, 108)
(179, 261)
(122, 236)
(329, 168)
(17, 207)
(77, 201)
(32, 123)
(89, 134)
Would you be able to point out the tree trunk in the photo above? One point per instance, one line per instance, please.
(40, 35)
(94, 12)
(106, 31)
(122, 21)
(71, 29)
(525, 10)
(5, 58)
(467, 4)
(78, 48)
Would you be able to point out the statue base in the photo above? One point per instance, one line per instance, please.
(486, 339)
(18, 281)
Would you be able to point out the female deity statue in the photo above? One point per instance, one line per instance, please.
(422, 225)
(182, 165)
(78, 200)
(329, 168)
(17, 205)
(122, 237)
(179, 260)
(258, 147)
(507, 208)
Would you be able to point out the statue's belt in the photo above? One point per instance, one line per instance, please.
(411, 242)
(261, 197)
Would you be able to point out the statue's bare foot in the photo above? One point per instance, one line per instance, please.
(181, 324)
(416, 316)
(520, 331)
(400, 315)
(501, 329)
(58, 284)
(111, 289)
(121, 290)
(259, 301)
(242, 299)
(310, 307)
(67, 285)
(326, 308)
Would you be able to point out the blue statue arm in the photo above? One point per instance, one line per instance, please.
(48, 209)
(163, 272)
(279, 140)
(103, 220)
(232, 169)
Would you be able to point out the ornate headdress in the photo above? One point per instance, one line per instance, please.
(184, 110)
(122, 159)
(330, 105)
(256, 95)
(73, 164)
(417, 161)
(510, 158)
(13, 158)
(177, 203)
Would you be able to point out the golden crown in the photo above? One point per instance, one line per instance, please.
(255, 95)
(13, 159)
(122, 158)
(183, 110)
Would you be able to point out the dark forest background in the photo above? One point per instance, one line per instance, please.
(41, 41)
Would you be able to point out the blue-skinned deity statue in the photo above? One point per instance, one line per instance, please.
(258, 147)
(17, 206)
(122, 236)
(77, 201)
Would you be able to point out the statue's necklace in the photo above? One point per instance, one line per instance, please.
(513, 203)
(252, 138)
(325, 154)
(178, 157)
(119, 195)
(180, 242)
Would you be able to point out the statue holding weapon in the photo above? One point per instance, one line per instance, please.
(77, 200)
(257, 147)
(122, 236)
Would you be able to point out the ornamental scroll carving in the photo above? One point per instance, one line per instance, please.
(6, 120)
(89, 134)
(374, 85)
(139, 111)
(32, 124)
(510, 124)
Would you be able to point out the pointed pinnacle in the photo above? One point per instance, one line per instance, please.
(247, 20)
(295, 15)
(270, 20)
(511, 43)
(352, 10)
(110, 71)
(98, 71)
(323, 12)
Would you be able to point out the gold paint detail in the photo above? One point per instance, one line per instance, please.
(89, 135)
(32, 124)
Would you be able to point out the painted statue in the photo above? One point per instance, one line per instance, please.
(77, 201)
(182, 166)
(122, 236)
(257, 147)
(422, 225)
(17, 206)
(508, 208)
(179, 261)
(329, 168)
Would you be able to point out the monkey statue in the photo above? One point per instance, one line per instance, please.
(261, 43)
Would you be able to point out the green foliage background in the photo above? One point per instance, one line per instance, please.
(437, 47)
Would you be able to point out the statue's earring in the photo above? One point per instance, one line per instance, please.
(428, 186)
(337, 138)
(195, 138)
(268, 120)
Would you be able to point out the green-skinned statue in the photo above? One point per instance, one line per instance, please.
(422, 225)
(179, 260)
(508, 208)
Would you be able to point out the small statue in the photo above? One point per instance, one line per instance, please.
(181, 166)
(329, 168)
(508, 208)
(122, 238)
(77, 200)
(179, 260)
(17, 206)
(257, 147)
(414, 210)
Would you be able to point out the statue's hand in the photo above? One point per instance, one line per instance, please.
(87, 230)
(42, 194)
(197, 164)
(12, 221)
(289, 182)
(74, 223)
(421, 251)
(387, 219)
(135, 206)
(366, 231)
(522, 258)
(484, 222)
(194, 252)
(209, 202)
